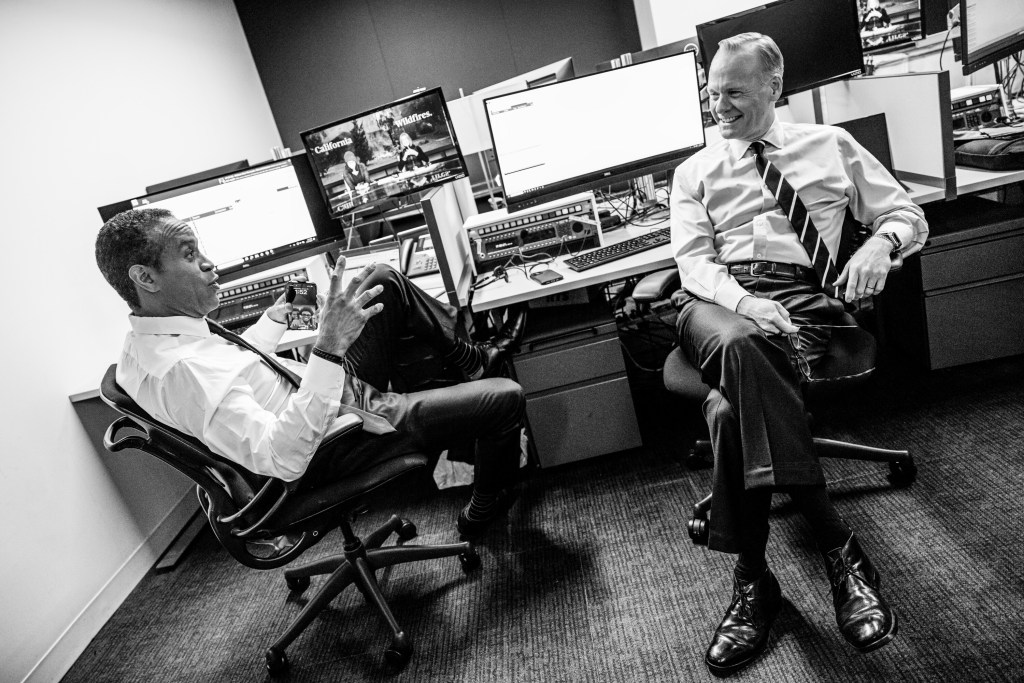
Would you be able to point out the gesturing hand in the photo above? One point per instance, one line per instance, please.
(865, 272)
(345, 311)
(770, 316)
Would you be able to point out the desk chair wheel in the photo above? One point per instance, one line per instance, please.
(399, 650)
(469, 560)
(297, 583)
(277, 662)
(698, 530)
(902, 473)
(407, 531)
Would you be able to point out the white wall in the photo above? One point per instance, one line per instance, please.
(666, 21)
(97, 100)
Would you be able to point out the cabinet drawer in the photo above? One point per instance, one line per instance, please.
(971, 263)
(583, 422)
(541, 371)
(976, 323)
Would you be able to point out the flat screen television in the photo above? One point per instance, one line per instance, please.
(561, 139)
(990, 30)
(385, 154)
(251, 220)
(889, 24)
(819, 39)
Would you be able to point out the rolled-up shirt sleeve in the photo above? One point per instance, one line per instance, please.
(693, 247)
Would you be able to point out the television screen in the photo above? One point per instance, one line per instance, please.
(889, 23)
(389, 152)
(819, 39)
(249, 220)
(560, 139)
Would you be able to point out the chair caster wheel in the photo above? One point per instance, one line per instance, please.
(277, 662)
(407, 531)
(399, 650)
(902, 473)
(297, 583)
(470, 561)
(698, 531)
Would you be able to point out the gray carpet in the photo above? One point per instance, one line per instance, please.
(592, 578)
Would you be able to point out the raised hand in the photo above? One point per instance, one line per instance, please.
(345, 310)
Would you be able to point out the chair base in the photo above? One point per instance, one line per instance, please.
(361, 559)
(902, 473)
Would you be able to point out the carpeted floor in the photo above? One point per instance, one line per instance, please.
(593, 577)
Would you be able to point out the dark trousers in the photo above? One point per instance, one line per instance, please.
(487, 411)
(755, 411)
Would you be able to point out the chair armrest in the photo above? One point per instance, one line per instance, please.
(656, 286)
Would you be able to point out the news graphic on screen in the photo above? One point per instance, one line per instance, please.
(889, 23)
(593, 130)
(389, 152)
(243, 218)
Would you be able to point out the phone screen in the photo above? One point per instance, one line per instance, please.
(303, 299)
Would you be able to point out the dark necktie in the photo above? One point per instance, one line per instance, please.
(373, 423)
(801, 221)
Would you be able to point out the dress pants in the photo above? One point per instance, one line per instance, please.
(755, 411)
(488, 411)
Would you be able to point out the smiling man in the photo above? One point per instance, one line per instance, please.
(270, 414)
(756, 225)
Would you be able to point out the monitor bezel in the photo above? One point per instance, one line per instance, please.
(996, 52)
(603, 177)
(361, 208)
(786, 91)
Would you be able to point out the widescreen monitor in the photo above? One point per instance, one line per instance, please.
(386, 153)
(588, 132)
(819, 39)
(250, 220)
(990, 30)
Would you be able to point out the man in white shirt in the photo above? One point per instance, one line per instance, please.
(270, 414)
(757, 255)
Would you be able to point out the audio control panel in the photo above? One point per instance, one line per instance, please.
(975, 105)
(242, 305)
(561, 227)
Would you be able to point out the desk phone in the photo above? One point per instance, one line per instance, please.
(418, 257)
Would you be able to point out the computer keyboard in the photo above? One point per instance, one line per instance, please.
(613, 252)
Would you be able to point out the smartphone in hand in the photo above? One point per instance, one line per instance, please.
(302, 297)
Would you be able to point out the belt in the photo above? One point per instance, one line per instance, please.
(786, 270)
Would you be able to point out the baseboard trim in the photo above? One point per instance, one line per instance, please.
(76, 637)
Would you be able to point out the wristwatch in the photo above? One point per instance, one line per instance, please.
(891, 238)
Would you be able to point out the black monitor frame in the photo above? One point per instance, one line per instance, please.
(991, 53)
(389, 200)
(753, 19)
(601, 177)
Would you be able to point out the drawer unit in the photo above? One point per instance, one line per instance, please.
(962, 264)
(578, 401)
(970, 324)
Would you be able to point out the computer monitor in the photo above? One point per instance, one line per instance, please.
(387, 153)
(819, 39)
(990, 30)
(890, 24)
(561, 139)
(251, 220)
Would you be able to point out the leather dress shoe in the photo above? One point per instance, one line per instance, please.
(743, 634)
(472, 528)
(511, 333)
(862, 614)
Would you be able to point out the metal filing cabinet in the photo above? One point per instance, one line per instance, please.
(578, 402)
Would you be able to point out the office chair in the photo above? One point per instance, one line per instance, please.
(266, 523)
(849, 361)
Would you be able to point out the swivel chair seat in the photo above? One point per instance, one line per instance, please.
(266, 523)
(849, 361)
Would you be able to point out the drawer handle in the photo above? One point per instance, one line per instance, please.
(588, 332)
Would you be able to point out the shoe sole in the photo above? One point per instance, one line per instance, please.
(881, 642)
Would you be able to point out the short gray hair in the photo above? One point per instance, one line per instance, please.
(762, 46)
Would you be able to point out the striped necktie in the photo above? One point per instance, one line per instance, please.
(372, 423)
(801, 221)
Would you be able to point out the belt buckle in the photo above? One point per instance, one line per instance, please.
(758, 268)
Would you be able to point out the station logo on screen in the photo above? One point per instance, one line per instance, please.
(389, 152)
(888, 23)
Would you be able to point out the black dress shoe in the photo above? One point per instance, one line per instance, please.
(472, 528)
(743, 634)
(862, 614)
(511, 333)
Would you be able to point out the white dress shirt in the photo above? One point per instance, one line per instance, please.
(224, 395)
(722, 213)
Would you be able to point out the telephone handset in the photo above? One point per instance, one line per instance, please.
(416, 256)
